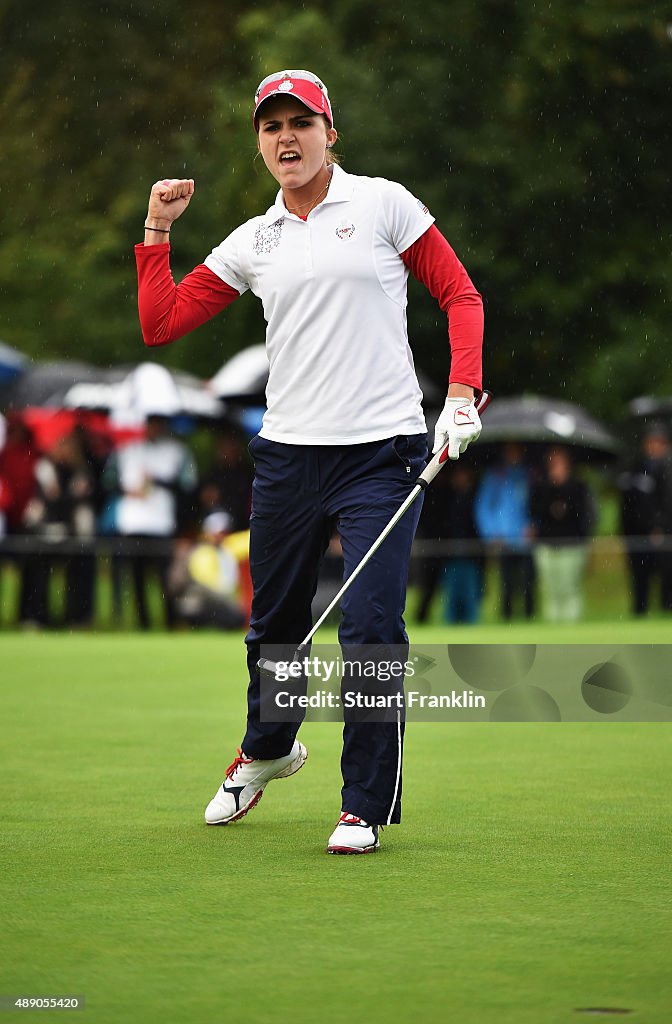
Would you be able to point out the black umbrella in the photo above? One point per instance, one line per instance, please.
(45, 384)
(71, 384)
(537, 420)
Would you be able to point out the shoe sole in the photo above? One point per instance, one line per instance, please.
(242, 812)
(349, 849)
(291, 769)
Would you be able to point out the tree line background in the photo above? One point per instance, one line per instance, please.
(536, 132)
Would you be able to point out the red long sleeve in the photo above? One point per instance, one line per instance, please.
(169, 311)
(433, 262)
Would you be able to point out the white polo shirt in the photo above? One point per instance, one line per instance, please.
(333, 289)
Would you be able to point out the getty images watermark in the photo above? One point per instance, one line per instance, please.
(468, 682)
(373, 675)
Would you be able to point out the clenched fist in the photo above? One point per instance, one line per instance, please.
(168, 200)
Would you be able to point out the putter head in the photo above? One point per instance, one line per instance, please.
(268, 668)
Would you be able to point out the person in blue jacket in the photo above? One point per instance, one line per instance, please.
(503, 520)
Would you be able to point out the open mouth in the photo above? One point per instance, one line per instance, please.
(289, 158)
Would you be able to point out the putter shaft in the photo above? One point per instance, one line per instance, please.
(429, 472)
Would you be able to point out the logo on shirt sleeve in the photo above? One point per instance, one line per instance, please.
(267, 236)
(345, 231)
(423, 207)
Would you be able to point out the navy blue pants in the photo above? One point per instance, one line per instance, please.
(300, 493)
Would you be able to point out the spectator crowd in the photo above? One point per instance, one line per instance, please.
(169, 528)
(164, 525)
(532, 515)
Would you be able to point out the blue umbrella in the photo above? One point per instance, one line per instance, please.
(12, 363)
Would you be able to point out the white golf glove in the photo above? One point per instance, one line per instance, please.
(459, 424)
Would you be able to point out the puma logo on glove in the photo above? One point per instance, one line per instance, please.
(457, 426)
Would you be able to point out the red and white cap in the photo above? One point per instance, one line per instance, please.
(306, 86)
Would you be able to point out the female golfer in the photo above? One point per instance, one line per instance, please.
(343, 438)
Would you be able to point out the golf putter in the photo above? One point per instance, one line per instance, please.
(432, 468)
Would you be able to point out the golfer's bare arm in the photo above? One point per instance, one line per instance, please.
(169, 311)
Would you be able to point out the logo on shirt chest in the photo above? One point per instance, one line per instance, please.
(267, 236)
(345, 231)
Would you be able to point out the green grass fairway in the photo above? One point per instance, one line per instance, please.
(530, 877)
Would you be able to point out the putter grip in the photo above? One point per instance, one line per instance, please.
(436, 464)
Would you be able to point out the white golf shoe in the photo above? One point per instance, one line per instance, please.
(353, 835)
(246, 779)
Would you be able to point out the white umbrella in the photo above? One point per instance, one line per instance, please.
(244, 376)
(148, 389)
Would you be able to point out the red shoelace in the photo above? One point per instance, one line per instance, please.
(238, 760)
(351, 819)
